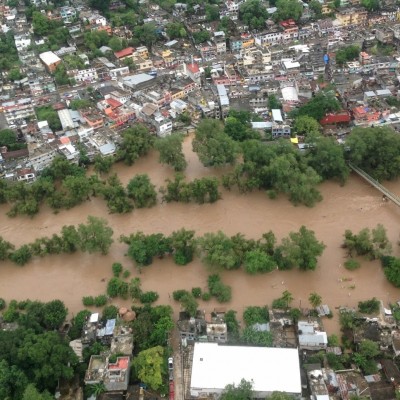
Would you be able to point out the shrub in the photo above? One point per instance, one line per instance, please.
(206, 296)
(223, 293)
(279, 303)
(117, 269)
(126, 274)
(352, 264)
(2, 304)
(272, 194)
(100, 301)
(88, 301)
(23, 304)
(117, 287)
(369, 306)
(178, 294)
(255, 314)
(149, 297)
(135, 290)
(196, 292)
(109, 312)
(113, 287)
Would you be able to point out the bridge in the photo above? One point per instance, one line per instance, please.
(391, 196)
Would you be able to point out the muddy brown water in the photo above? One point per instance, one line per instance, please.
(70, 277)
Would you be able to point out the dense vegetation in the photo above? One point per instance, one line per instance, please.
(300, 249)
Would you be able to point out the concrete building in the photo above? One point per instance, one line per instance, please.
(50, 60)
(310, 337)
(270, 369)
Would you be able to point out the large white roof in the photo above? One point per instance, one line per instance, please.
(49, 57)
(271, 369)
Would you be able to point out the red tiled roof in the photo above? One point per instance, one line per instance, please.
(125, 52)
(113, 103)
(193, 68)
(335, 118)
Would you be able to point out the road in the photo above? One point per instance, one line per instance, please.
(178, 376)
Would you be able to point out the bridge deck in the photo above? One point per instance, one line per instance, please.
(391, 196)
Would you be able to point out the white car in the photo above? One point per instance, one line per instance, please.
(170, 363)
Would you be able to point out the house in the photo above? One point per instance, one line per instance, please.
(352, 16)
(114, 375)
(215, 366)
(124, 53)
(316, 383)
(217, 332)
(310, 337)
(342, 117)
(50, 60)
(25, 175)
(192, 70)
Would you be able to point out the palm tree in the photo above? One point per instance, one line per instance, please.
(98, 388)
(287, 297)
(315, 299)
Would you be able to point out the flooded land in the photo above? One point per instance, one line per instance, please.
(69, 277)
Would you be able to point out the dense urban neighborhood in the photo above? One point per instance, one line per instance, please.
(275, 96)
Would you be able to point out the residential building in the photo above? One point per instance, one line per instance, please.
(84, 75)
(93, 118)
(22, 42)
(68, 14)
(220, 42)
(50, 60)
(352, 16)
(18, 110)
(262, 366)
(114, 376)
(25, 175)
(310, 337)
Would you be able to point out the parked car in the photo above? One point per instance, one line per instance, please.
(170, 363)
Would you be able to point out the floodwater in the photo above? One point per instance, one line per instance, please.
(70, 277)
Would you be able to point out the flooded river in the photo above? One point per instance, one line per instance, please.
(354, 206)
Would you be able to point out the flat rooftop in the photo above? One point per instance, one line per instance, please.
(270, 368)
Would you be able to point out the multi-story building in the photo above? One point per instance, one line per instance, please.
(84, 75)
(18, 110)
(352, 16)
(68, 14)
(220, 42)
(22, 41)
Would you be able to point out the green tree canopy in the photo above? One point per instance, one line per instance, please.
(149, 366)
(243, 391)
(305, 125)
(301, 249)
(253, 13)
(171, 153)
(7, 137)
(55, 313)
(212, 145)
(136, 142)
(327, 157)
(288, 9)
(31, 393)
(376, 151)
(321, 104)
(95, 235)
(142, 191)
(348, 53)
(47, 358)
(371, 5)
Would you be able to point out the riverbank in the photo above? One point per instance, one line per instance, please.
(70, 277)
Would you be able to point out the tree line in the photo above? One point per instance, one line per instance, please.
(94, 236)
(299, 249)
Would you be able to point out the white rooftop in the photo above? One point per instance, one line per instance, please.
(94, 317)
(277, 115)
(270, 368)
(48, 57)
